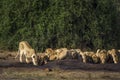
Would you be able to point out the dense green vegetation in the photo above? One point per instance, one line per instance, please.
(88, 24)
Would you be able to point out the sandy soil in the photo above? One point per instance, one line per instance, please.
(8, 63)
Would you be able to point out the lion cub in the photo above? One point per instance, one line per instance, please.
(28, 51)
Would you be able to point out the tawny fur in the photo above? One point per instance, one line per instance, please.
(103, 55)
(51, 54)
(73, 54)
(114, 54)
(42, 58)
(89, 56)
(29, 53)
(61, 53)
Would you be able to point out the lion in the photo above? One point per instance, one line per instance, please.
(95, 59)
(52, 55)
(42, 58)
(29, 53)
(49, 51)
(91, 57)
(81, 53)
(114, 54)
(88, 56)
(73, 54)
(103, 55)
(61, 53)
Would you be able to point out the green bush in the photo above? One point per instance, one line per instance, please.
(85, 24)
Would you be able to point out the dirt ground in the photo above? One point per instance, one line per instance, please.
(12, 69)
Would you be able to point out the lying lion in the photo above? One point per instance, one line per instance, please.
(52, 55)
(61, 53)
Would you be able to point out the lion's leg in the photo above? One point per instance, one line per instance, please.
(21, 54)
(115, 62)
(45, 61)
(34, 60)
(27, 60)
(103, 61)
(84, 58)
(115, 59)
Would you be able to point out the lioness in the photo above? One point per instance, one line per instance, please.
(114, 55)
(52, 55)
(49, 52)
(88, 56)
(73, 54)
(42, 59)
(28, 51)
(61, 53)
(103, 55)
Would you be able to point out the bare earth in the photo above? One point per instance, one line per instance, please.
(12, 69)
